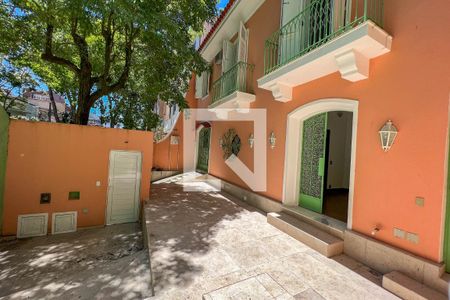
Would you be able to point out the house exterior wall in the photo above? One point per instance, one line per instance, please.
(4, 124)
(59, 158)
(170, 157)
(409, 85)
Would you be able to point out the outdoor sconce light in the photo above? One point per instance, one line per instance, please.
(251, 140)
(272, 140)
(387, 135)
(221, 143)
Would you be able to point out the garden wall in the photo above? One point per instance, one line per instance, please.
(59, 158)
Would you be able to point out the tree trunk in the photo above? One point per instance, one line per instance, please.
(84, 117)
(49, 114)
(55, 110)
(82, 114)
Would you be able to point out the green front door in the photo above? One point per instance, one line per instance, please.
(203, 149)
(313, 162)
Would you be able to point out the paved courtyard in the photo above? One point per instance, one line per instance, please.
(103, 263)
(209, 244)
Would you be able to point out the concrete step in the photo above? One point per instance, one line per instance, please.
(443, 284)
(408, 288)
(325, 223)
(321, 241)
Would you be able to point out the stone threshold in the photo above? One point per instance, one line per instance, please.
(324, 243)
(327, 224)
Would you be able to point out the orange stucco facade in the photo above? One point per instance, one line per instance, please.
(58, 158)
(409, 85)
(169, 156)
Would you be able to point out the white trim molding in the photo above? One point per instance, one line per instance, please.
(241, 11)
(292, 162)
(236, 99)
(349, 53)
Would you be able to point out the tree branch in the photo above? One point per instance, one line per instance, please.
(108, 35)
(130, 35)
(83, 49)
(50, 57)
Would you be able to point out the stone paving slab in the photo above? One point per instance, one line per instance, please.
(211, 245)
(99, 263)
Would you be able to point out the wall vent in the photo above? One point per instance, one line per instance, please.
(32, 225)
(64, 222)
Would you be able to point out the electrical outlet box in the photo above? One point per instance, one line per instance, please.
(46, 198)
(399, 233)
(420, 201)
(85, 210)
(74, 195)
(174, 139)
(412, 237)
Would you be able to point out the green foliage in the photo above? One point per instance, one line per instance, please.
(87, 50)
(13, 80)
(128, 110)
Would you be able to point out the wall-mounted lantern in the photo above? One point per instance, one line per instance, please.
(387, 135)
(251, 140)
(272, 140)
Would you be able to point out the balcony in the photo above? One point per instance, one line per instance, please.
(234, 88)
(327, 36)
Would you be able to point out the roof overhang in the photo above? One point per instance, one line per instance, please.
(242, 10)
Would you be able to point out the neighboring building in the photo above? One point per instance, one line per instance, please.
(41, 99)
(168, 113)
(330, 75)
(94, 120)
(20, 108)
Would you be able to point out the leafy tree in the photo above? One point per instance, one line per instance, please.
(93, 48)
(129, 110)
(13, 81)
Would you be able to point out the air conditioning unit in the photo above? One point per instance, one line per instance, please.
(218, 58)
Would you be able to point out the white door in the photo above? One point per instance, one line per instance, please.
(123, 187)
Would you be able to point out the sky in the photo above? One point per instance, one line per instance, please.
(222, 4)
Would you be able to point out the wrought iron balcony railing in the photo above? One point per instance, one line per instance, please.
(318, 23)
(238, 78)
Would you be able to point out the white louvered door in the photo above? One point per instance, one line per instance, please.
(123, 187)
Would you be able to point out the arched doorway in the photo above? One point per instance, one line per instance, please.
(306, 162)
(203, 145)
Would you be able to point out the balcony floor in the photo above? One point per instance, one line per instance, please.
(348, 53)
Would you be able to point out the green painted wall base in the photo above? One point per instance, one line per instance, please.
(447, 225)
(4, 125)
